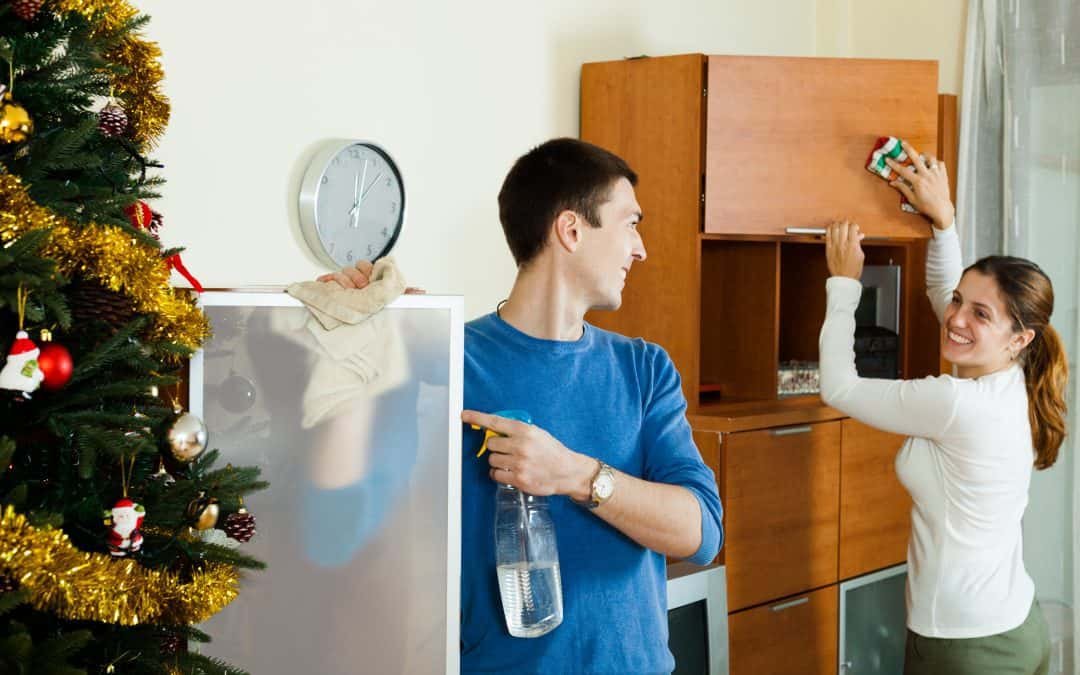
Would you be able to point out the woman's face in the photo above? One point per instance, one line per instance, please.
(978, 333)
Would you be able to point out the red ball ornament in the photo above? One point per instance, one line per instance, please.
(56, 364)
(140, 215)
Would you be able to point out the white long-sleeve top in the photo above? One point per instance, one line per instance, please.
(967, 464)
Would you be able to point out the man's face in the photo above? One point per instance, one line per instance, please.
(607, 252)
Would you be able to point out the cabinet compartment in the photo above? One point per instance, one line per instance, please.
(795, 635)
(783, 497)
(763, 302)
(739, 299)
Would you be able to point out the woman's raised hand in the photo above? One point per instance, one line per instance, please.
(926, 185)
(843, 249)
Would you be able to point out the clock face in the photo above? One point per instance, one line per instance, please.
(358, 205)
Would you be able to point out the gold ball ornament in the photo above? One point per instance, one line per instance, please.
(15, 123)
(187, 438)
(203, 512)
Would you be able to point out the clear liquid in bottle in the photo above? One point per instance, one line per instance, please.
(531, 597)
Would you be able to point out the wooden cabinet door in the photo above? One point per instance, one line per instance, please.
(875, 509)
(787, 141)
(782, 512)
(796, 636)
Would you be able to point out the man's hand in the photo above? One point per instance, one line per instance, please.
(843, 252)
(532, 460)
(359, 276)
(926, 186)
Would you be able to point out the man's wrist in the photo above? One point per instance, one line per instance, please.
(581, 483)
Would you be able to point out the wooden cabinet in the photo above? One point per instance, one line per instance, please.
(875, 519)
(731, 151)
(783, 496)
(796, 635)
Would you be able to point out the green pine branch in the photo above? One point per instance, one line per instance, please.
(197, 664)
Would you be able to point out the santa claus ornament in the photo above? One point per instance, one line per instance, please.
(124, 520)
(21, 371)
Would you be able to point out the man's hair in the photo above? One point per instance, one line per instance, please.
(563, 174)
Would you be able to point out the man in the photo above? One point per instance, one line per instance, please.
(609, 429)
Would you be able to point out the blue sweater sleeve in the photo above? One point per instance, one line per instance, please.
(670, 453)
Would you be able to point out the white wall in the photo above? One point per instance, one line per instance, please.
(913, 29)
(455, 91)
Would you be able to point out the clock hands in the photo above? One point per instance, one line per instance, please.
(358, 194)
(368, 188)
(354, 211)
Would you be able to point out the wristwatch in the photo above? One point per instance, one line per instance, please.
(603, 486)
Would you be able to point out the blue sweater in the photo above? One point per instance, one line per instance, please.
(613, 398)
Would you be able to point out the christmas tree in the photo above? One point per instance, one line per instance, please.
(119, 530)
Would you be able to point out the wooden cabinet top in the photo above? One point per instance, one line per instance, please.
(751, 415)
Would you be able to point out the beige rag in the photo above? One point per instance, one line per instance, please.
(359, 351)
(333, 305)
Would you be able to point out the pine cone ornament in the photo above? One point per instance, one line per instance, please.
(112, 121)
(172, 643)
(8, 583)
(240, 526)
(91, 301)
(26, 9)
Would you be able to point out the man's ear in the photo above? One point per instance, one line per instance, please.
(567, 230)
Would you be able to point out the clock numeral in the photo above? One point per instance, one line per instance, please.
(336, 161)
(383, 231)
(325, 180)
(354, 153)
(389, 182)
(348, 256)
(369, 250)
(393, 207)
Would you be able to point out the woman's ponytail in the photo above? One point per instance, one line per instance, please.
(1046, 369)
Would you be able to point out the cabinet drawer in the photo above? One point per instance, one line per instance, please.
(782, 488)
(787, 141)
(875, 509)
(796, 635)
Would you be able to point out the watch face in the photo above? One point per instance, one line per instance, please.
(604, 485)
(359, 204)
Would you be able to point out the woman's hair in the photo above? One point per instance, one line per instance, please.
(1029, 298)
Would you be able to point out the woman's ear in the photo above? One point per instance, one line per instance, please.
(1021, 340)
(567, 230)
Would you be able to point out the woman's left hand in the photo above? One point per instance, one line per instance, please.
(843, 250)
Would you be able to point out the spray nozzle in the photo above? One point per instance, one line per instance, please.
(519, 415)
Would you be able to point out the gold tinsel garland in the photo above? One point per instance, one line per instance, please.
(110, 256)
(81, 586)
(139, 85)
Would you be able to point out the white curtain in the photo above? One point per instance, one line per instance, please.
(1019, 194)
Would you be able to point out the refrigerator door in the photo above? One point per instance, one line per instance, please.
(358, 432)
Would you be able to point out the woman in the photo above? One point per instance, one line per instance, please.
(974, 439)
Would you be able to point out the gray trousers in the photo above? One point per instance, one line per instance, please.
(1024, 650)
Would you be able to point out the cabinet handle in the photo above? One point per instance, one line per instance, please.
(788, 605)
(791, 431)
(820, 232)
